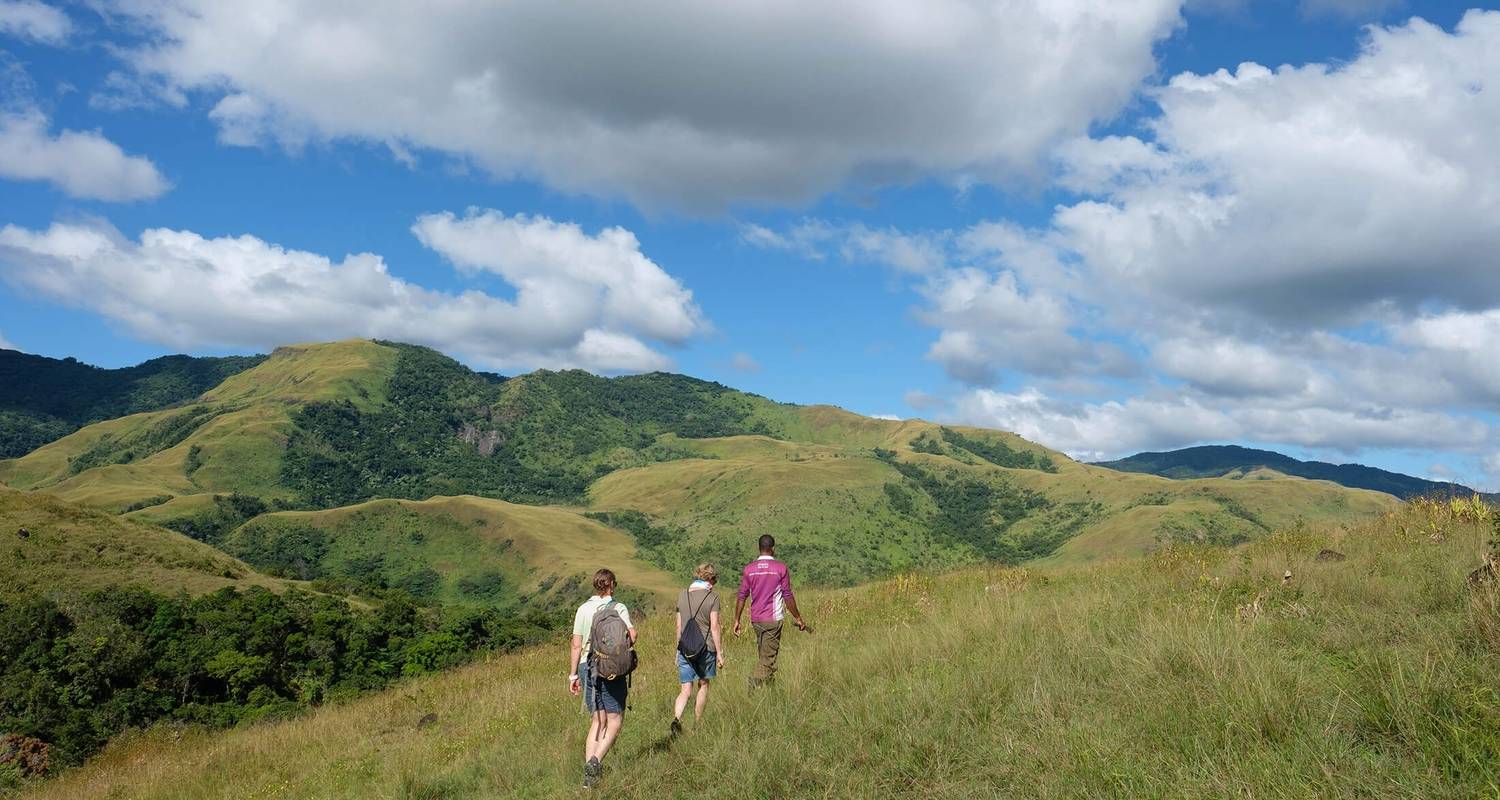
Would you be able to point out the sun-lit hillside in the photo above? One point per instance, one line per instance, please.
(67, 550)
(849, 513)
(695, 468)
(1194, 672)
(452, 549)
(229, 441)
(47, 398)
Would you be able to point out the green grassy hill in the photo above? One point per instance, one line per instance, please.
(69, 550)
(43, 399)
(453, 550)
(437, 513)
(692, 470)
(108, 623)
(1212, 461)
(231, 439)
(906, 496)
(1197, 671)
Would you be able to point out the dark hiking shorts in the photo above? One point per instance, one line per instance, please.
(602, 695)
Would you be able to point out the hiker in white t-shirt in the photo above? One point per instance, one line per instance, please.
(600, 670)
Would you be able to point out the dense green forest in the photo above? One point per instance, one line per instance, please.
(43, 399)
(981, 512)
(543, 437)
(1211, 461)
(998, 453)
(74, 673)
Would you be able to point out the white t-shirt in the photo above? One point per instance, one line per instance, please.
(583, 621)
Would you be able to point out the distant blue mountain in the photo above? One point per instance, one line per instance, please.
(1211, 461)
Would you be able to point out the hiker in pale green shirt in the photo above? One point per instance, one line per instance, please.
(604, 696)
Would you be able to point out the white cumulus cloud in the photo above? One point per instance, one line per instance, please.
(1227, 366)
(1311, 195)
(915, 253)
(695, 106)
(989, 322)
(81, 163)
(553, 263)
(39, 22)
(184, 290)
(1302, 256)
(1109, 429)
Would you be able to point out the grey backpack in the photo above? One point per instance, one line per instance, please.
(610, 651)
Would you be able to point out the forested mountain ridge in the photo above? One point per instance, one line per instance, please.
(690, 469)
(43, 399)
(1212, 461)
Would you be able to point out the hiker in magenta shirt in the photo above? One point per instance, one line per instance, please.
(767, 583)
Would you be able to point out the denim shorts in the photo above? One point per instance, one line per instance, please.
(704, 667)
(606, 696)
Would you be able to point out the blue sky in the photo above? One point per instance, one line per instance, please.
(1064, 222)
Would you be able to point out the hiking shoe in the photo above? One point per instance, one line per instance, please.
(591, 773)
(676, 727)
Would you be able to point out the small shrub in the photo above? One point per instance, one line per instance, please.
(23, 757)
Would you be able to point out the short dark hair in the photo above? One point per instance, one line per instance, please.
(767, 542)
(603, 579)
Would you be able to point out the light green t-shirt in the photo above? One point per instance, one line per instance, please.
(583, 621)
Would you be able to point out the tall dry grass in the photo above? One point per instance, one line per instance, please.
(1195, 672)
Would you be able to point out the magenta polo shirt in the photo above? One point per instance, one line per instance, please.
(768, 584)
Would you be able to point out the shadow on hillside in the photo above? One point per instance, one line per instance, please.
(660, 746)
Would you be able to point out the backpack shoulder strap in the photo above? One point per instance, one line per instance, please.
(603, 607)
(702, 601)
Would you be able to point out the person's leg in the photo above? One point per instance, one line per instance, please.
(773, 649)
(591, 768)
(590, 699)
(702, 702)
(682, 700)
(591, 746)
(612, 723)
(768, 645)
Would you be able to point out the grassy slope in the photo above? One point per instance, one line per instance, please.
(464, 537)
(818, 485)
(42, 399)
(239, 449)
(1159, 676)
(826, 495)
(72, 549)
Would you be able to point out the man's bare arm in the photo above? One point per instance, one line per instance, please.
(739, 608)
(791, 605)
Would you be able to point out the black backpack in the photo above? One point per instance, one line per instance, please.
(690, 641)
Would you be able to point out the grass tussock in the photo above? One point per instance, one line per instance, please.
(1194, 672)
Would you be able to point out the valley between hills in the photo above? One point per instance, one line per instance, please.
(334, 520)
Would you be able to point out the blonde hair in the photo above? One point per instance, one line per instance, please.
(706, 572)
